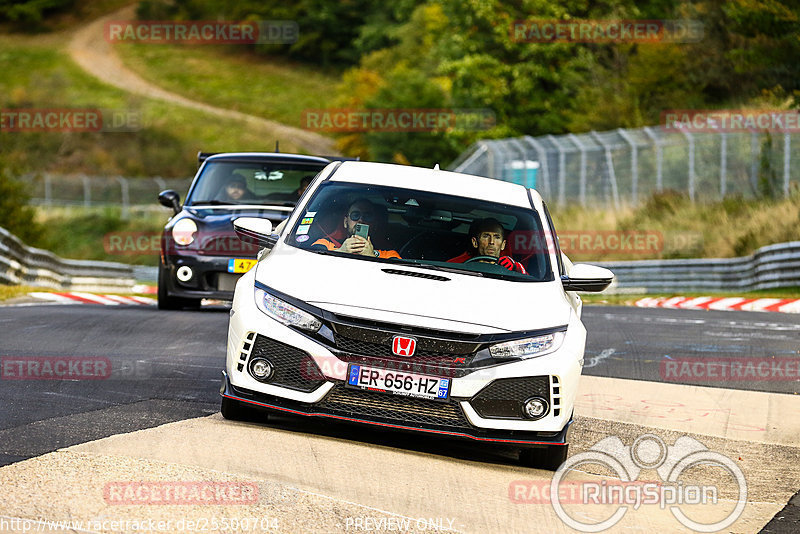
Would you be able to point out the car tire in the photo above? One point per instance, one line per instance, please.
(234, 410)
(549, 459)
(165, 302)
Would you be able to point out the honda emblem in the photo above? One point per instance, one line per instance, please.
(404, 346)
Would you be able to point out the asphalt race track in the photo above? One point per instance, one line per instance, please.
(162, 379)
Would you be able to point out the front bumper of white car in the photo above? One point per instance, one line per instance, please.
(310, 370)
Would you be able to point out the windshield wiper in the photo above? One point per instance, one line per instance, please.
(213, 203)
(438, 267)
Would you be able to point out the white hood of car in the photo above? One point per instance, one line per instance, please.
(463, 304)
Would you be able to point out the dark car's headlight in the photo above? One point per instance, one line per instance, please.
(529, 347)
(183, 231)
(283, 312)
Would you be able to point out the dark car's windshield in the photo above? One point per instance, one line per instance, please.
(441, 232)
(232, 182)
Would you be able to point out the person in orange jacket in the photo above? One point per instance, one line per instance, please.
(360, 211)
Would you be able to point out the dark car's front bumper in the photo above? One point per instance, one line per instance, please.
(406, 413)
(210, 278)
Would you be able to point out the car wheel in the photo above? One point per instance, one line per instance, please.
(165, 302)
(549, 458)
(234, 410)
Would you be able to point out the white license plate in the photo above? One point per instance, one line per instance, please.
(398, 382)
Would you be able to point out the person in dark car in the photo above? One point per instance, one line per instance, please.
(235, 190)
(361, 211)
(488, 239)
(304, 183)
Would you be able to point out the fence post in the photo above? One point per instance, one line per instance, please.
(162, 185)
(659, 158)
(582, 184)
(125, 196)
(87, 191)
(490, 160)
(48, 190)
(787, 161)
(723, 165)
(754, 162)
(562, 169)
(612, 175)
(690, 139)
(634, 165)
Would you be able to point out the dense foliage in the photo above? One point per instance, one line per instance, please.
(31, 12)
(462, 54)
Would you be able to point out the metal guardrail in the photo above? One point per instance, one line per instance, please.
(770, 267)
(21, 264)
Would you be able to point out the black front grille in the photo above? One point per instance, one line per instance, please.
(294, 368)
(384, 350)
(397, 409)
(503, 398)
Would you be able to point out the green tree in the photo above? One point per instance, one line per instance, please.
(16, 215)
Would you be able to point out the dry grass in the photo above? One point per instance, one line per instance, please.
(10, 292)
(730, 228)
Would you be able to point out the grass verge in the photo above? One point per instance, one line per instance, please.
(228, 77)
(10, 292)
(669, 225)
(37, 74)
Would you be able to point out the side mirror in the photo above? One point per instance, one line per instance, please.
(255, 230)
(584, 277)
(170, 199)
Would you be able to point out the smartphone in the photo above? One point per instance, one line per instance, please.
(362, 230)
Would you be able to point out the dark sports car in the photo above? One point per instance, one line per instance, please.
(201, 257)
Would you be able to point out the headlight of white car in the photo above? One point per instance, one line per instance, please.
(183, 231)
(283, 312)
(530, 347)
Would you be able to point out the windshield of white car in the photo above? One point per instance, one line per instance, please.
(429, 230)
(251, 183)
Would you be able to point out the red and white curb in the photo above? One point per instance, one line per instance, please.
(722, 303)
(91, 298)
(149, 290)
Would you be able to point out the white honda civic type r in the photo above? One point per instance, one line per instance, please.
(414, 299)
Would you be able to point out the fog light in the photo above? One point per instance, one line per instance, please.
(535, 408)
(185, 273)
(260, 369)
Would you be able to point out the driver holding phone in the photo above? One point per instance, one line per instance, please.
(359, 216)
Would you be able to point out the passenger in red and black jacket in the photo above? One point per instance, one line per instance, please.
(488, 239)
